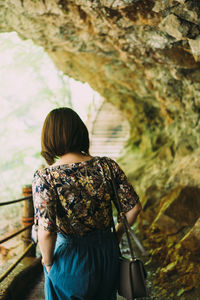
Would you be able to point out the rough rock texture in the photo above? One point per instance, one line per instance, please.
(144, 57)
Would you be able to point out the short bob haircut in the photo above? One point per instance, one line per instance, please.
(63, 132)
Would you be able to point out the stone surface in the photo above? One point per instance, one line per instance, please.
(142, 56)
(20, 279)
(174, 27)
(195, 47)
(38, 291)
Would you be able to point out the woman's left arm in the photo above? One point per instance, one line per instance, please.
(45, 209)
(128, 198)
(131, 216)
(46, 241)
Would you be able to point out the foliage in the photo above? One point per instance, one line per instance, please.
(30, 87)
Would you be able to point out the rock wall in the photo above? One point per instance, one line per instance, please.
(144, 57)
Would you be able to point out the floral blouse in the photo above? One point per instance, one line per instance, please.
(77, 198)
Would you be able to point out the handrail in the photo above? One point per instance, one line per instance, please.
(5, 274)
(14, 201)
(27, 221)
(14, 234)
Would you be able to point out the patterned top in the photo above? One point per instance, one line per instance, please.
(78, 197)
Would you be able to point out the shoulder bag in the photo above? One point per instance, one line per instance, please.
(132, 281)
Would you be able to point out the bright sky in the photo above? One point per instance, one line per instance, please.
(21, 84)
(82, 97)
(30, 86)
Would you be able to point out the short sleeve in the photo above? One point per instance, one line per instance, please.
(44, 201)
(127, 195)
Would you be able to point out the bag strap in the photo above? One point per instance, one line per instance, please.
(129, 232)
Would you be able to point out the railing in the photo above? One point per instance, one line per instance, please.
(27, 222)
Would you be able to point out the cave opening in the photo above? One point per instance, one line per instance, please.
(144, 58)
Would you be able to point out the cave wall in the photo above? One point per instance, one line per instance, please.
(144, 57)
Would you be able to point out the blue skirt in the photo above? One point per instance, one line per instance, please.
(84, 268)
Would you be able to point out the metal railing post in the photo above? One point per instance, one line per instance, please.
(28, 218)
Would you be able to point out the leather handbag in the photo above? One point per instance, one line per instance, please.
(132, 280)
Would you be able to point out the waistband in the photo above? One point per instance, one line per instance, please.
(94, 236)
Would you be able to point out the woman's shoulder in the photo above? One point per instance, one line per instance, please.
(107, 159)
(110, 164)
(42, 174)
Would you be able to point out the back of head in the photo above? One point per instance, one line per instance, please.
(63, 132)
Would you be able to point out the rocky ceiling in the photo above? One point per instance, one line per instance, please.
(144, 57)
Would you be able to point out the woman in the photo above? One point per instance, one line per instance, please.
(73, 211)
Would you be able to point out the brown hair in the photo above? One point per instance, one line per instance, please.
(63, 132)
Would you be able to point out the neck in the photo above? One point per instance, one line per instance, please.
(72, 157)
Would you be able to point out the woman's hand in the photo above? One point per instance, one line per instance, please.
(48, 268)
(119, 236)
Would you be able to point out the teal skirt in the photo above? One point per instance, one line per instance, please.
(84, 268)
